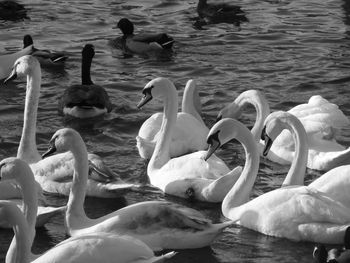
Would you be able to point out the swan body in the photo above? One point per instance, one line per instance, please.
(161, 225)
(296, 212)
(130, 43)
(55, 169)
(321, 119)
(45, 57)
(97, 247)
(88, 99)
(187, 176)
(7, 61)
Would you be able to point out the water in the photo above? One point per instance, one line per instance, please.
(290, 50)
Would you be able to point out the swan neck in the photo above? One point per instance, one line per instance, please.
(296, 172)
(85, 71)
(27, 149)
(161, 154)
(191, 103)
(240, 192)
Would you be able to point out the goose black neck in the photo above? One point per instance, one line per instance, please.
(85, 71)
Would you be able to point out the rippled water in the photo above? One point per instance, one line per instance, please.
(290, 50)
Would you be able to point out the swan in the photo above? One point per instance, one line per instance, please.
(161, 225)
(95, 247)
(45, 57)
(18, 170)
(184, 140)
(54, 174)
(321, 120)
(86, 100)
(187, 176)
(299, 213)
(131, 43)
(7, 61)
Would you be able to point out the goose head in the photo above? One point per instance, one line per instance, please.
(22, 67)
(126, 26)
(156, 88)
(88, 51)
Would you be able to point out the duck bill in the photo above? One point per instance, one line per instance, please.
(211, 150)
(144, 100)
(12, 76)
(268, 144)
(52, 149)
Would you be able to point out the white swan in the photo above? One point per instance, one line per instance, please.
(187, 176)
(321, 120)
(188, 136)
(293, 212)
(161, 225)
(7, 61)
(97, 247)
(16, 169)
(55, 173)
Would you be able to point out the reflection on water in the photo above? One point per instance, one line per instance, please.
(289, 50)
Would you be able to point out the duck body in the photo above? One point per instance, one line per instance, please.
(12, 11)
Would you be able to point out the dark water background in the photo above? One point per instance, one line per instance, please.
(290, 50)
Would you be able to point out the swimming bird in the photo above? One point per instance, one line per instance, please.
(19, 171)
(297, 212)
(95, 247)
(321, 119)
(55, 173)
(184, 140)
(45, 56)
(87, 99)
(319, 254)
(187, 176)
(12, 11)
(161, 225)
(131, 43)
(7, 61)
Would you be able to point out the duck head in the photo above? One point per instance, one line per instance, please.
(126, 26)
(27, 41)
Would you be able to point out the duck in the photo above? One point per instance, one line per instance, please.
(12, 11)
(183, 140)
(88, 99)
(150, 221)
(294, 212)
(131, 43)
(7, 61)
(54, 174)
(187, 176)
(45, 57)
(321, 119)
(95, 247)
(37, 216)
(220, 13)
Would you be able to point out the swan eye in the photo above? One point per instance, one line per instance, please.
(213, 137)
(263, 133)
(147, 91)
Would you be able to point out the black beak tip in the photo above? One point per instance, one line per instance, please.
(50, 151)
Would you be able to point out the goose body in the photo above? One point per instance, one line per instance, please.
(186, 176)
(12, 11)
(86, 100)
(97, 247)
(45, 57)
(296, 212)
(131, 43)
(161, 225)
(54, 172)
(321, 120)
(184, 139)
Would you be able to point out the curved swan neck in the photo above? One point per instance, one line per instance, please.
(240, 192)
(80, 177)
(161, 151)
(296, 172)
(27, 149)
(191, 103)
(85, 70)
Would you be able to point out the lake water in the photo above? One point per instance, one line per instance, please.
(290, 50)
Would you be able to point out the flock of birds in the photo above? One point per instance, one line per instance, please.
(180, 164)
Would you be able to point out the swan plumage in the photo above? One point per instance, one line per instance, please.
(186, 176)
(184, 140)
(149, 221)
(295, 212)
(53, 172)
(87, 99)
(96, 247)
(321, 119)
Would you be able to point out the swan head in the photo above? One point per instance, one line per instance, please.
(14, 168)
(23, 66)
(126, 26)
(62, 141)
(156, 88)
(232, 110)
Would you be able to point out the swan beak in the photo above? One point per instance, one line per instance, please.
(146, 98)
(51, 150)
(268, 144)
(12, 76)
(212, 148)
